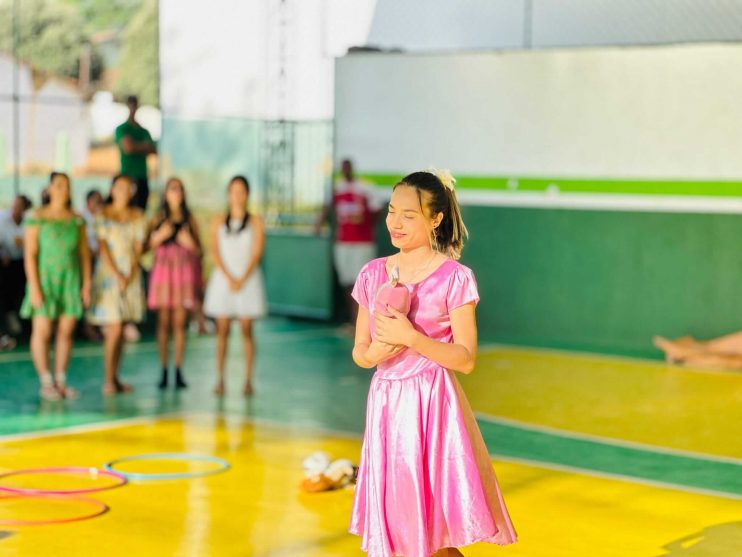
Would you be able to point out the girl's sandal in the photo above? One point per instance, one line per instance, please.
(50, 393)
(123, 388)
(109, 390)
(68, 393)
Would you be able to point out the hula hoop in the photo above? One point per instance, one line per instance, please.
(182, 457)
(121, 479)
(99, 509)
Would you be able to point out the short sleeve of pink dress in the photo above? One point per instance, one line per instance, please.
(425, 479)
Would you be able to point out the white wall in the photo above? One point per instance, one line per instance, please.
(221, 58)
(660, 112)
(458, 25)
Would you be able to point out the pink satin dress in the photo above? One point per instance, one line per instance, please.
(425, 480)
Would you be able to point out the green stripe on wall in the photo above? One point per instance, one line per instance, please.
(721, 188)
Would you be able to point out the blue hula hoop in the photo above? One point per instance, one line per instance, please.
(181, 457)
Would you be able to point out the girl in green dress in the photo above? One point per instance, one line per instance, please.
(58, 269)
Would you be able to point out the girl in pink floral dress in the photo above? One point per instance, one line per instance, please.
(426, 484)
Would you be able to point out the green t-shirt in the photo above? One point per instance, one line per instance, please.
(134, 165)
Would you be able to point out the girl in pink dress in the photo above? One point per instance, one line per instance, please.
(426, 484)
(175, 279)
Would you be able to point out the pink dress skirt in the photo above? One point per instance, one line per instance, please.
(175, 279)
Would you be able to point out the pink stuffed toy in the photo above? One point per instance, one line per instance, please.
(392, 294)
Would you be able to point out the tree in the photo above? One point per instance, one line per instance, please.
(50, 37)
(139, 66)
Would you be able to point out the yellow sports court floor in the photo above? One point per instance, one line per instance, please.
(596, 456)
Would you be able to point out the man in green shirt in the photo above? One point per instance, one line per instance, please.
(135, 143)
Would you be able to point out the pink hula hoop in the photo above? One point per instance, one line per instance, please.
(121, 480)
(99, 509)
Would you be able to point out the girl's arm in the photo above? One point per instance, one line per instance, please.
(158, 234)
(84, 254)
(367, 353)
(258, 247)
(216, 223)
(189, 238)
(461, 355)
(31, 265)
(138, 247)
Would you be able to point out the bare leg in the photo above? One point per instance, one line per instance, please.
(113, 335)
(163, 335)
(249, 344)
(62, 352)
(719, 361)
(41, 334)
(222, 340)
(40, 339)
(180, 320)
(728, 344)
(448, 552)
(687, 347)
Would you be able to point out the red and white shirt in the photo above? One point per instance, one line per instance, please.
(355, 205)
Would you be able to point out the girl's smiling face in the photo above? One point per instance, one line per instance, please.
(408, 224)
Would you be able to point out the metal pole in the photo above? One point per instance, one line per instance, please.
(528, 24)
(16, 100)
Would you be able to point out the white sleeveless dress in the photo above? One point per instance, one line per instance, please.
(235, 250)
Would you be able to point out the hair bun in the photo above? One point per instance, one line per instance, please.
(445, 176)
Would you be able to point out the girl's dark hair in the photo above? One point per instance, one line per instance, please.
(109, 199)
(449, 236)
(242, 180)
(165, 208)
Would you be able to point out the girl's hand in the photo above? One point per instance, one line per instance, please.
(37, 298)
(164, 231)
(234, 284)
(185, 239)
(379, 351)
(394, 330)
(122, 281)
(85, 295)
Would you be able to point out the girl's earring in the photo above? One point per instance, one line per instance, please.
(434, 240)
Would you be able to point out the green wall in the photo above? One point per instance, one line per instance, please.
(604, 281)
(298, 274)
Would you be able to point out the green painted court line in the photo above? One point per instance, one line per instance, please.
(714, 188)
(510, 441)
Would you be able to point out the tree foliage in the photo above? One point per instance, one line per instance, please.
(50, 34)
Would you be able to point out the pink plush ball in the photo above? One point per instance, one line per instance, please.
(396, 296)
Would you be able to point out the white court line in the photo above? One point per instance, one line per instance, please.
(88, 428)
(620, 477)
(646, 447)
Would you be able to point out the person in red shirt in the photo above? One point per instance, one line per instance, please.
(356, 209)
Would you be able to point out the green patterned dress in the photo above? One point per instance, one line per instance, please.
(60, 275)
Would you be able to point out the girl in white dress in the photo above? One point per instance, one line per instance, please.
(235, 289)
